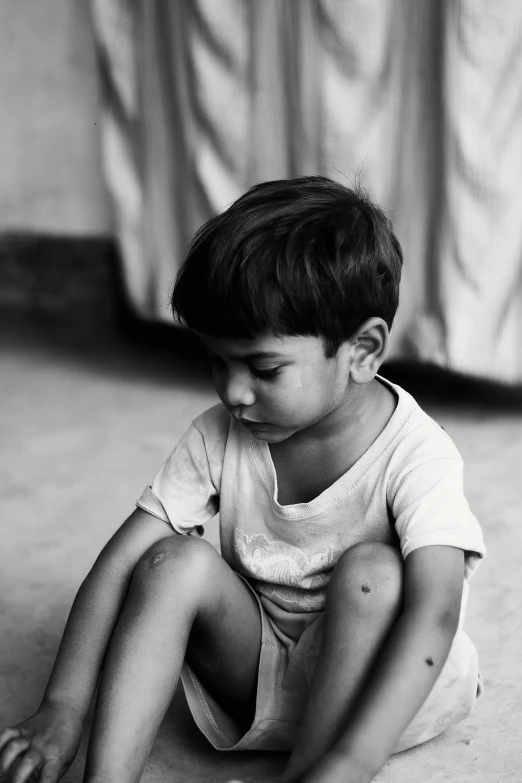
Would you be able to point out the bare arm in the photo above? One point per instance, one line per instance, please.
(410, 663)
(46, 743)
(95, 610)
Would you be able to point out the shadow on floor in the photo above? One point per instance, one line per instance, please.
(162, 353)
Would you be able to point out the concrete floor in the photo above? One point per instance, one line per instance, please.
(84, 428)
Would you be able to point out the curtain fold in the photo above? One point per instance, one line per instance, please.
(418, 100)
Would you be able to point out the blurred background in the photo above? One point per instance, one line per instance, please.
(125, 124)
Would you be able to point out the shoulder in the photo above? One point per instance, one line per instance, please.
(425, 488)
(419, 438)
(200, 451)
(213, 424)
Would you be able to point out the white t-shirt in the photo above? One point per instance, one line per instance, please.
(406, 491)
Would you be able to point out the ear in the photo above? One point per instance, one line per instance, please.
(369, 348)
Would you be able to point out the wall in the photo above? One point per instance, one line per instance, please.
(51, 180)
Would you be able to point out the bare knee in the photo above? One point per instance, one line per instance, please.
(174, 558)
(368, 576)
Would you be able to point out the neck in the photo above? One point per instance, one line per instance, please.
(359, 419)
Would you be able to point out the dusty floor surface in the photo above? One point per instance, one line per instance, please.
(82, 430)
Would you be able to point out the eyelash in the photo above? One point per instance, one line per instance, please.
(264, 375)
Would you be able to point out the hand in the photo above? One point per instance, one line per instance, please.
(336, 767)
(42, 747)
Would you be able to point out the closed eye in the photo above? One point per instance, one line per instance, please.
(266, 375)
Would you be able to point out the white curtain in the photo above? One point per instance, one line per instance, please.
(419, 100)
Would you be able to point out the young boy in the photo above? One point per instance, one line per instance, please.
(331, 624)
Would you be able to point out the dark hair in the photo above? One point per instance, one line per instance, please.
(305, 256)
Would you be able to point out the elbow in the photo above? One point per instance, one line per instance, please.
(441, 620)
(445, 620)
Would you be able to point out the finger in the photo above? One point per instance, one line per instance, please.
(26, 766)
(11, 753)
(51, 772)
(6, 735)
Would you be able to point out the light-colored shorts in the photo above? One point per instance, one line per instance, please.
(284, 678)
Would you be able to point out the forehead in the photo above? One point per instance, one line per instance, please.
(270, 346)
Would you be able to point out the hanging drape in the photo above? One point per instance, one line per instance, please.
(418, 100)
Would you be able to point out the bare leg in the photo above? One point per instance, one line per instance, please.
(181, 584)
(363, 602)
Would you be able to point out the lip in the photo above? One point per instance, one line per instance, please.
(252, 424)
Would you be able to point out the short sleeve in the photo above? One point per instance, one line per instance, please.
(429, 508)
(183, 492)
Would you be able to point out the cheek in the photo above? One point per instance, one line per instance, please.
(297, 396)
(292, 387)
(308, 383)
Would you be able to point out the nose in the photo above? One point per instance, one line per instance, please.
(236, 391)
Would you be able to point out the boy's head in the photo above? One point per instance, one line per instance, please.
(303, 257)
(293, 290)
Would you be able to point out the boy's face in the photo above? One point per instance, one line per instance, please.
(277, 386)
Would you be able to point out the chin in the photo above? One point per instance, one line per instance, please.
(272, 437)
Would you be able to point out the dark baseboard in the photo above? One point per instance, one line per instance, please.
(70, 290)
(59, 281)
